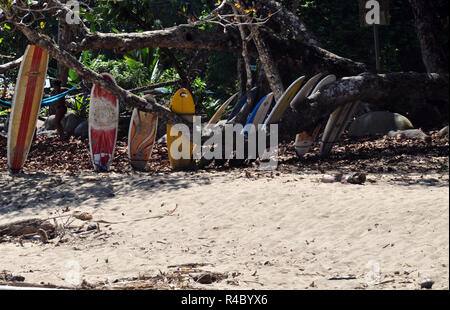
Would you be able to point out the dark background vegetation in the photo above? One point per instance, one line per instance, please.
(336, 24)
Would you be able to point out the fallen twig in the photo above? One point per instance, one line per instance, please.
(342, 278)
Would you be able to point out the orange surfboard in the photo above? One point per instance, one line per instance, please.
(141, 138)
(25, 107)
(103, 126)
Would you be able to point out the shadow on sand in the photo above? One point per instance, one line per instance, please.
(41, 191)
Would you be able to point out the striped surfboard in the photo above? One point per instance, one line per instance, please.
(25, 107)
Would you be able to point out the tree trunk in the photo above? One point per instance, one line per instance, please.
(184, 79)
(381, 88)
(428, 26)
(286, 19)
(64, 38)
(241, 76)
(248, 70)
(270, 68)
(377, 89)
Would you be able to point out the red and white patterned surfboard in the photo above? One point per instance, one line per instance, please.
(103, 126)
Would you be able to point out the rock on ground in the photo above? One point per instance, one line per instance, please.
(378, 123)
(71, 121)
(50, 123)
(82, 130)
(410, 134)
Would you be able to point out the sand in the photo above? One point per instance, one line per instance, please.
(251, 230)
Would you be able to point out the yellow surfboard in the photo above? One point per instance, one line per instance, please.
(283, 103)
(26, 103)
(180, 147)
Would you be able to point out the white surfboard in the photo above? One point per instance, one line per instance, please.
(220, 111)
(324, 82)
(259, 114)
(306, 90)
(336, 125)
(304, 141)
(283, 103)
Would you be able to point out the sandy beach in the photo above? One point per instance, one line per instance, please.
(231, 227)
(251, 230)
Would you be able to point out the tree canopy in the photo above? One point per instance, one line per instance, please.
(200, 44)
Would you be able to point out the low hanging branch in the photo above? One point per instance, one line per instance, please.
(154, 86)
(10, 65)
(303, 51)
(378, 89)
(93, 77)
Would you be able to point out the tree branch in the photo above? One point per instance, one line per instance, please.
(10, 65)
(181, 37)
(154, 86)
(378, 89)
(93, 77)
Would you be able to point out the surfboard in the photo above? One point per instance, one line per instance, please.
(306, 90)
(336, 125)
(240, 104)
(182, 103)
(283, 103)
(220, 111)
(259, 114)
(141, 138)
(304, 140)
(25, 107)
(103, 126)
(324, 82)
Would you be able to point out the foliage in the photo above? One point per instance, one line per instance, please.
(79, 107)
(335, 23)
(337, 26)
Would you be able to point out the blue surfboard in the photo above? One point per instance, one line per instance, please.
(240, 104)
(259, 113)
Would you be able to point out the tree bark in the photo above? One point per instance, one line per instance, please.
(379, 90)
(64, 38)
(270, 68)
(248, 70)
(154, 86)
(87, 74)
(428, 26)
(26, 227)
(292, 5)
(300, 51)
(10, 65)
(287, 20)
(241, 75)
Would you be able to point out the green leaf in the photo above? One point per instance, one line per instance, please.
(73, 75)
